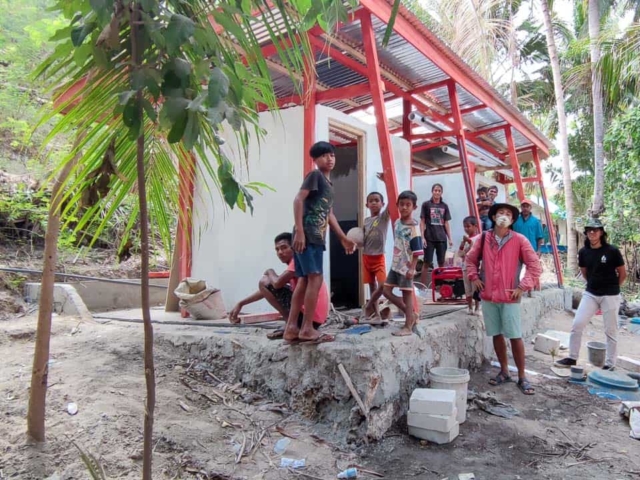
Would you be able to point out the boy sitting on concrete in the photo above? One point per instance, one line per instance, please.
(313, 212)
(277, 290)
(406, 250)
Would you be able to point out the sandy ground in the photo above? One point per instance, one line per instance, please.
(203, 423)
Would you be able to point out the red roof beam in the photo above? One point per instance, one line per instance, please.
(487, 131)
(432, 135)
(438, 56)
(342, 93)
(431, 86)
(429, 146)
(397, 91)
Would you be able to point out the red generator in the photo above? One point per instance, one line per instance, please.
(447, 283)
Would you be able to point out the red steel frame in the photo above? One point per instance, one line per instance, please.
(453, 120)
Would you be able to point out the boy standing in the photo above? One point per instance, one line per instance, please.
(406, 250)
(484, 204)
(374, 270)
(313, 211)
(470, 225)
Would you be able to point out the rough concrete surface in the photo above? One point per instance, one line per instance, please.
(384, 369)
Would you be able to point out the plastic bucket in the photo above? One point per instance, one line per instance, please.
(597, 352)
(457, 379)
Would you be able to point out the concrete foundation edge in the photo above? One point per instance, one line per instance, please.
(66, 300)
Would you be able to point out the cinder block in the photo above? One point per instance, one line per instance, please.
(438, 423)
(545, 344)
(433, 401)
(629, 364)
(435, 437)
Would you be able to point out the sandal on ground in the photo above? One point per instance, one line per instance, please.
(500, 379)
(324, 338)
(276, 334)
(525, 387)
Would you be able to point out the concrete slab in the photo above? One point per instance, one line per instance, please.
(433, 401)
(66, 300)
(102, 296)
(384, 369)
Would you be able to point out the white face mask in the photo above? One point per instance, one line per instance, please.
(503, 220)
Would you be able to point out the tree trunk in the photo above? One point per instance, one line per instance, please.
(40, 370)
(597, 206)
(149, 367)
(572, 254)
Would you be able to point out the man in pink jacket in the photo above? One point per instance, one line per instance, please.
(493, 265)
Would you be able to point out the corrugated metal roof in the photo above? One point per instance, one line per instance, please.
(404, 65)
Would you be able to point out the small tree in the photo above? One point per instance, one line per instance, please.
(157, 80)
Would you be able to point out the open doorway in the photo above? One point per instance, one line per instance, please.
(348, 207)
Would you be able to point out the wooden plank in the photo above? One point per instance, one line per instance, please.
(259, 317)
(352, 389)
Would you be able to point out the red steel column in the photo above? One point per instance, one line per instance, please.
(310, 100)
(382, 125)
(547, 213)
(462, 149)
(406, 133)
(513, 159)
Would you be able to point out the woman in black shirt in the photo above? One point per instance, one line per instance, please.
(602, 266)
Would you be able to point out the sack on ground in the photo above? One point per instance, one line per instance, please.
(201, 301)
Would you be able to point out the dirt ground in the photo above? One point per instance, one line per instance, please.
(203, 424)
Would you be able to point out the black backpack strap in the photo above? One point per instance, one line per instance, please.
(481, 248)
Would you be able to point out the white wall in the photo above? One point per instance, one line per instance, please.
(454, 195)
(232, 249)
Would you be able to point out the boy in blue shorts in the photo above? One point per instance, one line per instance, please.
(313, 212)
(407, 248)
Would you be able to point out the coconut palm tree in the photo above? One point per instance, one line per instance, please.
(151, 83)
(598, 109)
(572, 254)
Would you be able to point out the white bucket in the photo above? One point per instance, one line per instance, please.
(452, 379)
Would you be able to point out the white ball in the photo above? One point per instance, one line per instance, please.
(356, 234)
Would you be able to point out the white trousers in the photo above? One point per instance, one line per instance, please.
(589, 305)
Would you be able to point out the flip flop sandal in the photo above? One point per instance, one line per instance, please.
(324, 338)
(276, 334)
(500, 379)
(297, 341)
(525, 387)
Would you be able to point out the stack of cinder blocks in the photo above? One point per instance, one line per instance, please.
(432, 415)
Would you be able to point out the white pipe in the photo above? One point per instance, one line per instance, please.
(454, 152)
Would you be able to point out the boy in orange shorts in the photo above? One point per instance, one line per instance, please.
(374, 270)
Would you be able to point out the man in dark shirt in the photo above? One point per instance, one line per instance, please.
(602, 266)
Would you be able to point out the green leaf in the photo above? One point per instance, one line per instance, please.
(132, 118)
(174, 108)
(177, 131)
(192, 131)
(179, 30)
(215, 115)
(389, 30)
(228, 184)
(218, 87)
(124, 97)
(78, 34)
(149, 109)
(103, 9)
(196, 103)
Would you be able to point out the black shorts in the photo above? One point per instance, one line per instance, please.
(284, 296)
(441, 251)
